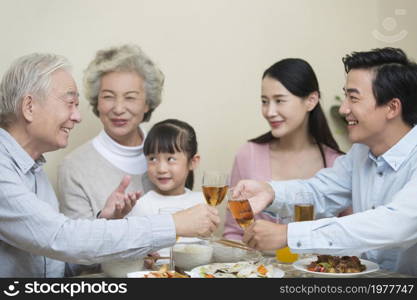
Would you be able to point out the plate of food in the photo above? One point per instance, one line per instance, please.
(161, 273)
(156, 274)
(242, 269)
(336, 266)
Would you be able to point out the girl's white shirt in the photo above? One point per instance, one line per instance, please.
(151, 202)
(128, 159)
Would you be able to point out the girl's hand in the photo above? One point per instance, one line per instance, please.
(119, 204)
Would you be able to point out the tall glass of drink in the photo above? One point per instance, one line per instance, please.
(170, 211)
(303, 211)
(215, 186)
(240, 209)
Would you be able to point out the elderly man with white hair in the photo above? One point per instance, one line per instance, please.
(38, 110)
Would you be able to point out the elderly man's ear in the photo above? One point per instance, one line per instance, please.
(27, 108)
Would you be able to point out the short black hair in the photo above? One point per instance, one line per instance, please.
(170, 136)
(395, 77)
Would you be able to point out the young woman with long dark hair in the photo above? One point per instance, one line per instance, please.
(299, 143)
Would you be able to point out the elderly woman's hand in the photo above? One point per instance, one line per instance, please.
(119, 204)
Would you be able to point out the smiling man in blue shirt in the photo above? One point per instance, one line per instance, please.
(378, 176)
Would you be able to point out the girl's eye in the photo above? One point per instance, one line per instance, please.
(278, 101)
(264, 102)
(151, 159)
(171, 159)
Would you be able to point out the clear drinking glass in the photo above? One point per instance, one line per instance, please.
(240, 209)
(303, 207)
(303, 211)
(215, 185)
(170, 211)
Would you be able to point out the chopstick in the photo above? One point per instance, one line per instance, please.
(233, 244)
(157, 258)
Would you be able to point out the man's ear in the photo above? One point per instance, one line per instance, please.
(27, 108)
(394, 108)
(312, 100)
(195, 160)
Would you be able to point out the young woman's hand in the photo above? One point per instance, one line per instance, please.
(119, 203)
(200, 220)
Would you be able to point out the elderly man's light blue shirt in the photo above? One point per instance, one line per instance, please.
(383, 193)
(35, 239)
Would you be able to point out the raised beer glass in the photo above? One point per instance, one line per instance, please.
(240, 209)
(215, 186)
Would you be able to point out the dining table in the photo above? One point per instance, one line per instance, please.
(292, 272)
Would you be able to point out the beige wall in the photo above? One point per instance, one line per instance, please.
(212, 53)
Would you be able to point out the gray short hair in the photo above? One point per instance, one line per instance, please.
(29, 74)
(126, 58)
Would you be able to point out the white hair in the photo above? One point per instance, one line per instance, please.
(29, 74)
(126, 58)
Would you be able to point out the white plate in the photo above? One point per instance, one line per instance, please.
(211, 268)
(303, 263)
(139, 274)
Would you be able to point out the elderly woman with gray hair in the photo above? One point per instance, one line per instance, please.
(123, 87)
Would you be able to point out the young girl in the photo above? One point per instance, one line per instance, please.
(171, 153)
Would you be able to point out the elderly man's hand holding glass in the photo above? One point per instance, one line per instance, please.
(200, 220)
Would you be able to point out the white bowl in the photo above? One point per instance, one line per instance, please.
(120, 268)
(189, 256)
(222, 253)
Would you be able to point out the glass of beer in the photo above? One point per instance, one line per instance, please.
(215, 186)
(169, 211)
(303, 211)
(303, 207)
(240, 209)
